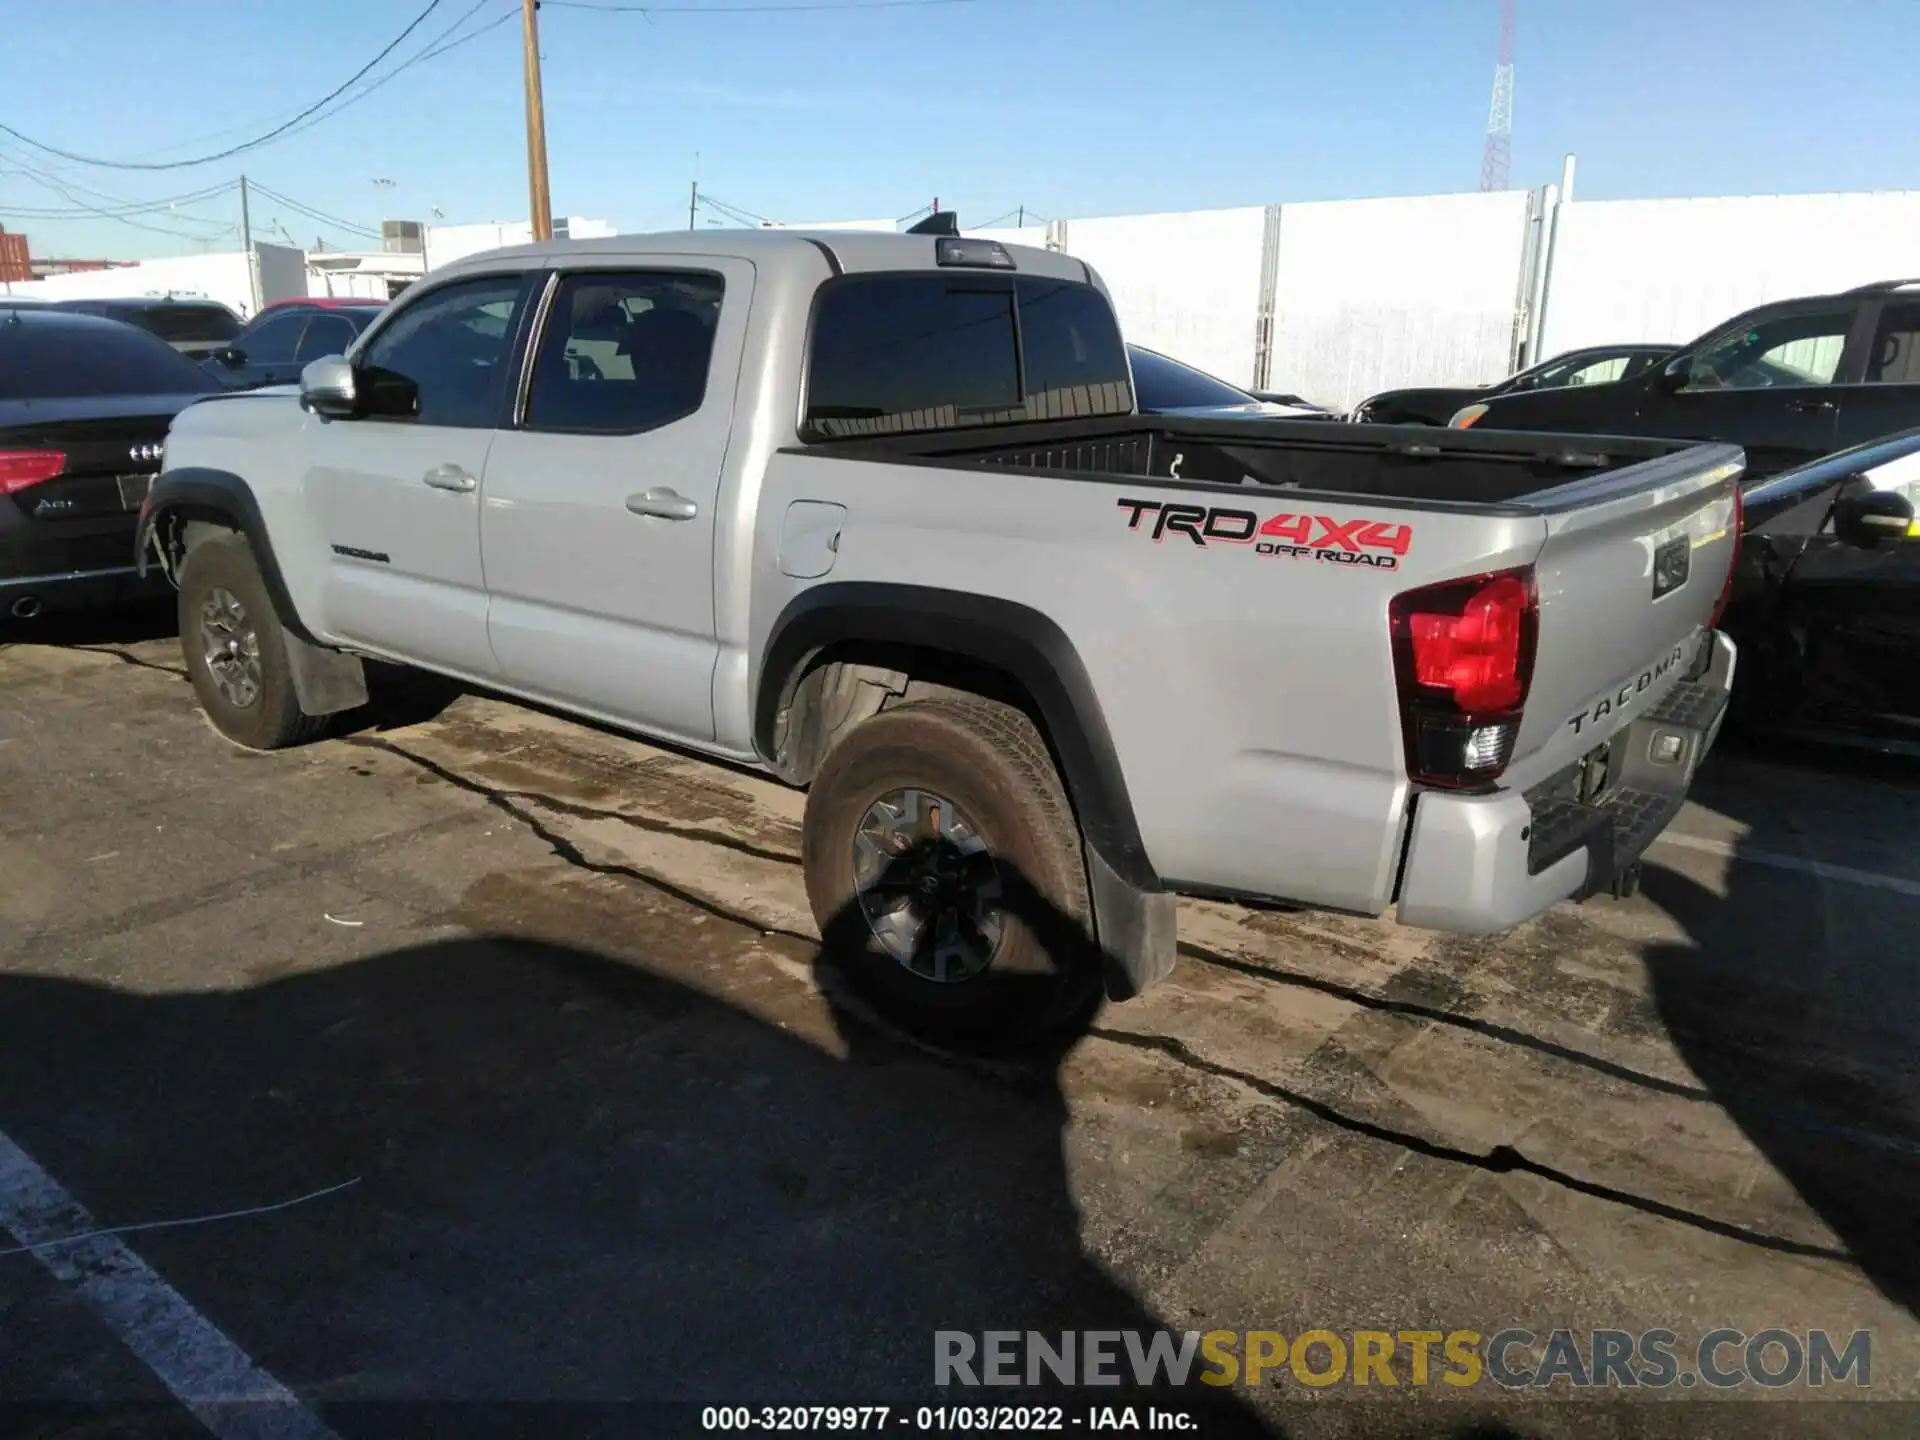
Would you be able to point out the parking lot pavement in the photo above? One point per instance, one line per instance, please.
(548, 999)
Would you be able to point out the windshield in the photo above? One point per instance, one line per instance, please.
(44, 362)
(176, 323)
(1164, 384)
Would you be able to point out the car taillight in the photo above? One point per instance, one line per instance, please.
(1463, 659)
(1733, 556)
(21, 468)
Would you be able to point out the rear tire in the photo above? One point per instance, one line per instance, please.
(958, 792)
(230, 636)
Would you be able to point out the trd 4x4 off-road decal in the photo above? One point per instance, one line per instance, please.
(1378, 544)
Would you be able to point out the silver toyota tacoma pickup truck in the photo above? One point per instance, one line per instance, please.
(877, 514)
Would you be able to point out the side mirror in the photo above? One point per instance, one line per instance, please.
(327, 387)
(1525, 382)
(1867, 518)
(1675, 372)
(231, 356)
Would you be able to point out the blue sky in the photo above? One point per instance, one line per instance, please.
(1068, 107)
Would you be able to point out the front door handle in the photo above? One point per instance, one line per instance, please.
(450, 477)
(1809, 407)
(663, 503)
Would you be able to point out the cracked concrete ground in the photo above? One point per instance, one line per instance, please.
(548, 996)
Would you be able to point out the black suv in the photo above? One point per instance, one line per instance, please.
(1789, 381)
(195, 328)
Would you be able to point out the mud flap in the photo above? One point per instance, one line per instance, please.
(1137, 929)
(326, 681)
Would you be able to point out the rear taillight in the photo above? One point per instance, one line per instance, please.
(21, 468)
(1733, 556)
(1463, 659)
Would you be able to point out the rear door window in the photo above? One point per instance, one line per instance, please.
(1894, 358)
(624, 353)
(894, 354)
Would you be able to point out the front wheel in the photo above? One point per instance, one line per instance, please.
(944, 868)
(236, 657)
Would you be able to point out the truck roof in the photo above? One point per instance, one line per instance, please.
(847, 250)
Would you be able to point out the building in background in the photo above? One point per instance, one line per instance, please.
(16, 264)
(236, 279)
(444, 244)
(364, 275)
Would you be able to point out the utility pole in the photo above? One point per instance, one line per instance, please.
(246, 244)
(693, 204)
(542, 206)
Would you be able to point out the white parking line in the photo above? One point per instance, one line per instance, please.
(1873, 879)
(207, 1372)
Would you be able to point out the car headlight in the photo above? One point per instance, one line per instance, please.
(1466, 417)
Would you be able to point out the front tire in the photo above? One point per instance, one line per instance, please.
(236, 658)
(944, 868)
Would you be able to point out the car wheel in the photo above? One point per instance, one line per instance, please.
(236, 659)
(943, 865)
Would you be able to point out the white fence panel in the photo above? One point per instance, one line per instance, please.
(1629, 270)
(222, 277)
(1377, 294)
(1187, 285)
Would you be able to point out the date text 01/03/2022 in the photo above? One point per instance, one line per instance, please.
(944, 1419)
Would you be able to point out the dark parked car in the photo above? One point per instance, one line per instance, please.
(1790, 382)
(1165, 386)
(1825, 600)
(282, 339)
(277, 346)
(84, 409)
(1436, 405)
(193, 327)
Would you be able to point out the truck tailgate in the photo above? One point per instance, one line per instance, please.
(1633, 568)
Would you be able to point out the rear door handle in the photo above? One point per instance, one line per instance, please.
(663, 503)
(450, 477)
(1809, 407)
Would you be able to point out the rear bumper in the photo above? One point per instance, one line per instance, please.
(1479, 864)
(74, 589)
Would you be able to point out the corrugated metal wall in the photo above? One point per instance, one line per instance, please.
(1377, 293)
(1672, 269)
(1185, 284)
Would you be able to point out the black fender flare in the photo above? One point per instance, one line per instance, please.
(1014, 639)
(199, 493)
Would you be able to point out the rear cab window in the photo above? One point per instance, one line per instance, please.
(896, 354)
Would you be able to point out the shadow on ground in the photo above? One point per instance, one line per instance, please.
(128, 624)
(1796, 1000)
(582, 1177)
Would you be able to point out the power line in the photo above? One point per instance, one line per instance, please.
(122, 215)
(233, 150)
(429, 51)
(312, 214)
(432, 52)
(733, 212)
(116, 210)
(805, 5)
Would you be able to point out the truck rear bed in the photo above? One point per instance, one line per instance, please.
(1418, 466)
